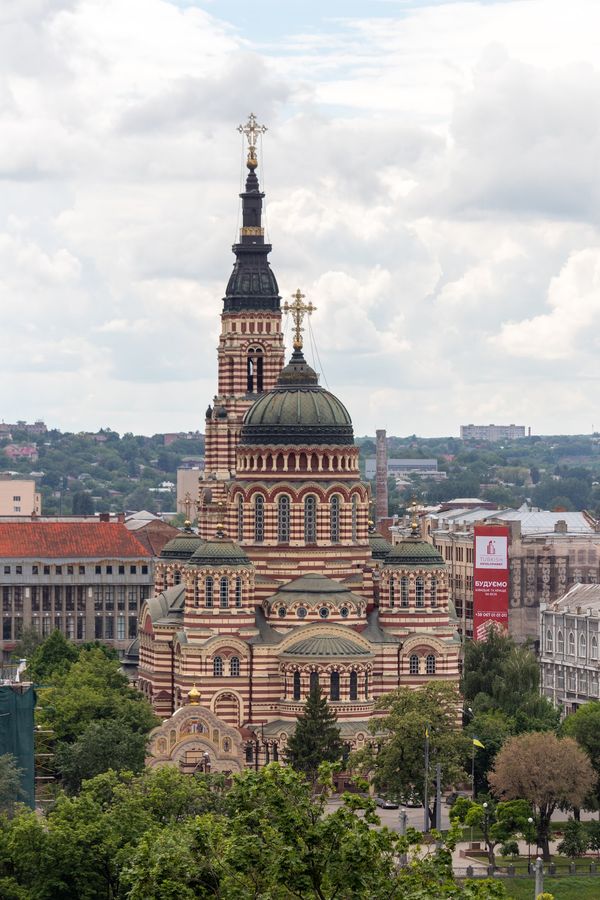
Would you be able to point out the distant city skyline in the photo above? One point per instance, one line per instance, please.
(431, 180)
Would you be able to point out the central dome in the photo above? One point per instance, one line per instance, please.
(297, 411)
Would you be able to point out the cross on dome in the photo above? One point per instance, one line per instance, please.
(252, 130)
(298, 310)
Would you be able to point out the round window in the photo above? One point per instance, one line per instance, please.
(281, 612)
(344, 612)
(323, 612)
(301, 612)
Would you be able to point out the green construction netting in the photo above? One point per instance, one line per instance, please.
(16, 733)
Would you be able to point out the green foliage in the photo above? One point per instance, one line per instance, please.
(397, 765)
(103, 745)
(575, 841)
(83, 504)
(162, 835)
(499, 822)
(52, 657)
(10, 783)
(316, 738)
(584, 726)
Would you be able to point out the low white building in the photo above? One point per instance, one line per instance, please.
(569, 638)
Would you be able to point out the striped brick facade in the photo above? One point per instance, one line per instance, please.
(294, 587)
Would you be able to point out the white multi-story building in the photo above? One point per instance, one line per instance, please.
(492, 432)
(569, 638)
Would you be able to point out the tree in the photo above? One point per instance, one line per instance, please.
(546, 771)
(103, 745)
(584, 726)
(397, 765)
(10, 783)
(52, 656)
(83, 504)
(499, 822)
(28, 643)
(316, 738)
(575, 841)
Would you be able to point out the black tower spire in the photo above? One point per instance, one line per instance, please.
(252, 285)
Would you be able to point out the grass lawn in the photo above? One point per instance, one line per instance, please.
(572, 887)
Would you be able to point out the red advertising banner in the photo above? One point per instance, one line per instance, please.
(490, 579)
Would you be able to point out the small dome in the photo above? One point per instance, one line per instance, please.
(219, 551)
(414, 552)
(326, 645)
(297, 411)
(181, 546)
(194, 695)
(380, 548)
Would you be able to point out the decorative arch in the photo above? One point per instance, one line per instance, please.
(228, 706)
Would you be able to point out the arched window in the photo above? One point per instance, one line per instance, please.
(310, 519)
(234, 666)
(208, 591)
(560, 642)
(430, 664)
(594, 647)
(354, 517)
(196, 592)
(366, 685)
(240, 518)
(549, 641)
(404, 591)
(419, 592)
(238, 591)
(334, 519)
(259, 518)
(353, 686)
(314, 681)
(283, 519)
(571, 648)
(434, 591)
(582, 645)
(176, 577)
(334, 686)
(392, 591)
(413, 664)
(224, 593)
(296, 685)
(218, 666)
(254, 369)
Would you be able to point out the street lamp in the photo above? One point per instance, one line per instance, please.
(530, 823)
(485, 824)
(206, 759)
(403, 821)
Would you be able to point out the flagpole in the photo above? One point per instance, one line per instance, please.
(473, 770)
(426, 791)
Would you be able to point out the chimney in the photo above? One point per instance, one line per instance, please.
(560, 527)
(381, 470)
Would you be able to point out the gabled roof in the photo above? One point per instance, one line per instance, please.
(69, 540)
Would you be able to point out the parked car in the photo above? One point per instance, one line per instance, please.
(412, 801)
(386, 804)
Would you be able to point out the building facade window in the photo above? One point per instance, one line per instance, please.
(353, 686)
(392, 589)
(430, 664)
(209, 587)
(549, 641)
(310, 519)
(234, 666)
(238, 591)
(560, 642)
(259, 519)
(419, 592)
(354, 518)
(296, 685)
(218, 666)
(571, 644)
(240, 518)
(582, 646)
(314, 681)
(413, 664)
(404, 591)
(433, 589)
(283, 519)
(334, 686)
(594, 647)
(224, 593)
(334, 519)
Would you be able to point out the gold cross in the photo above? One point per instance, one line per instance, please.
(187, 505)
(298, 309)
(252, 130)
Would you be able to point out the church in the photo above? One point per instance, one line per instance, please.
(286, 585)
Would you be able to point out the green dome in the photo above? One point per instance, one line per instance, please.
(297, 411)
(326, 645)
(415, 552)
(181, 546)
(219, 551)
(380, 548)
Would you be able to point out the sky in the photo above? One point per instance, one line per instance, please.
(432, 172)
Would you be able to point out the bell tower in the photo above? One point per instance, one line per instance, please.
(251, 351)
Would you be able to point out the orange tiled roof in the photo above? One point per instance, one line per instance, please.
(68, 540)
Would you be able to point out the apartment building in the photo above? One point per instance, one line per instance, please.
(492, 433)
(87, 577)
(18, 496)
